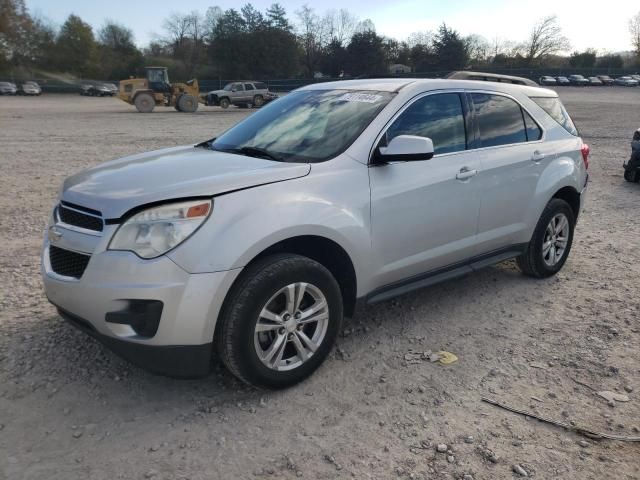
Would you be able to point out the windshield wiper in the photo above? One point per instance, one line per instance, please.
(255, 152)
(206, 144)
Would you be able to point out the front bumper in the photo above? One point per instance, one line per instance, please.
(112, 280)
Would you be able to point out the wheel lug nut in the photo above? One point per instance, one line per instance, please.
(297, 316)
(281, 331)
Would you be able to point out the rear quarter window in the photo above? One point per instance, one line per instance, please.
(554, 108)
(260, 86)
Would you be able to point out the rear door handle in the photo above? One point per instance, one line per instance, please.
(466, 172)
(537, 156)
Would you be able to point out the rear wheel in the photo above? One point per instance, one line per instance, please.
(145, 103)
(258, 101)
(551, 242)
(279, 321)
(188, 103)
(224, 102)
(632, 174)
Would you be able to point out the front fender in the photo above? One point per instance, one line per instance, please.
(333, 204)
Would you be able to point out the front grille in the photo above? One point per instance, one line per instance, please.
(67, 263)
(79, 219)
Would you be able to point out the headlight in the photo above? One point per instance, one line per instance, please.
(153, 232)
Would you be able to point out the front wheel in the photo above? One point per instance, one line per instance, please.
(551, 242)
(224, 103)
(279, 321)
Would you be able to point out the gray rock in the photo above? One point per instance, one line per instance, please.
(442, 448)
(520, 471)
(467, 477)
(468, 439)
(451, 458)
(628, 388)
(584, 443)
(151, 473)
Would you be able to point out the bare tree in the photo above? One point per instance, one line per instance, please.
(634, 30)
(340, 25)
(420, 38)
(546, 38)
(477, 48)
(177, 27)
(312, 32)
(185, 37)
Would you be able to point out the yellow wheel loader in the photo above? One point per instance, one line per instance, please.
(155, 89)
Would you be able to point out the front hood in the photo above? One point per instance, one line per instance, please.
(117, 186)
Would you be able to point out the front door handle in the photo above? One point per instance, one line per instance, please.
(537, 156)
(466, 172)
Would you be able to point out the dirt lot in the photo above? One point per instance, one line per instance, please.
(69, 409)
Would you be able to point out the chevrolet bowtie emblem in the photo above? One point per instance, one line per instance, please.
(54, 234)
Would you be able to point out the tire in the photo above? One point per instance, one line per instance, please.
(145, 103)
(187, 103)
(264, 285)
(258, 101)
(538, 263)
(632, 175)
(224, 103)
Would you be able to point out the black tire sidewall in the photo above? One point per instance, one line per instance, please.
(255, 295)
(554, 207)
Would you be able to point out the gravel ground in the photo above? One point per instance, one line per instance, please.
(70, 409)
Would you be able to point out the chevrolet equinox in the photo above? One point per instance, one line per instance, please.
(255, 244)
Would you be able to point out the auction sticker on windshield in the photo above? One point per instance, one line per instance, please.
(360, 97)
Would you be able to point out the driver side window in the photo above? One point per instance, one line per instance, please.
(438, 117)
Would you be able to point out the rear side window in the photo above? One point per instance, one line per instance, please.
(260, 85)
(500, 120)
(533, 130)
(248, 86)
(438, 117)
(553, 106)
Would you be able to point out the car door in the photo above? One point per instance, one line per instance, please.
(237, 93)
(249, 91)
(513, 157)
(424, 213)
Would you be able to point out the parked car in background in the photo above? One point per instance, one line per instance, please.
(339, 194)
(98, 90)
(29, 88)
(595, 82)
(635, 77)
(578, 81)
(626, 81)
(563, 81)
(244, 94)
(547, 80)
(112, 87)
(606, 79)
(8, 88)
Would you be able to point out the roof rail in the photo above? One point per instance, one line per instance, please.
(491, 77)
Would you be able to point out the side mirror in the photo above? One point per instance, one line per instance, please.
(233, 90)
(405, 148)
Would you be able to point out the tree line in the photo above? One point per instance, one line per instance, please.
(249, 43)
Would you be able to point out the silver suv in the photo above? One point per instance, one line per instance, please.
(256, 243)
(243, 94)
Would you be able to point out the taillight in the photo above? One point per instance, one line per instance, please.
(585, 150)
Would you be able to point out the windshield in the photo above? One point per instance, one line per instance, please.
(306, 126)
(228, 87)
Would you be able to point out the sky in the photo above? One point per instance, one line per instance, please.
(587, 24)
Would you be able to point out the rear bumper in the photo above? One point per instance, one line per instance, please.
(180, 361)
